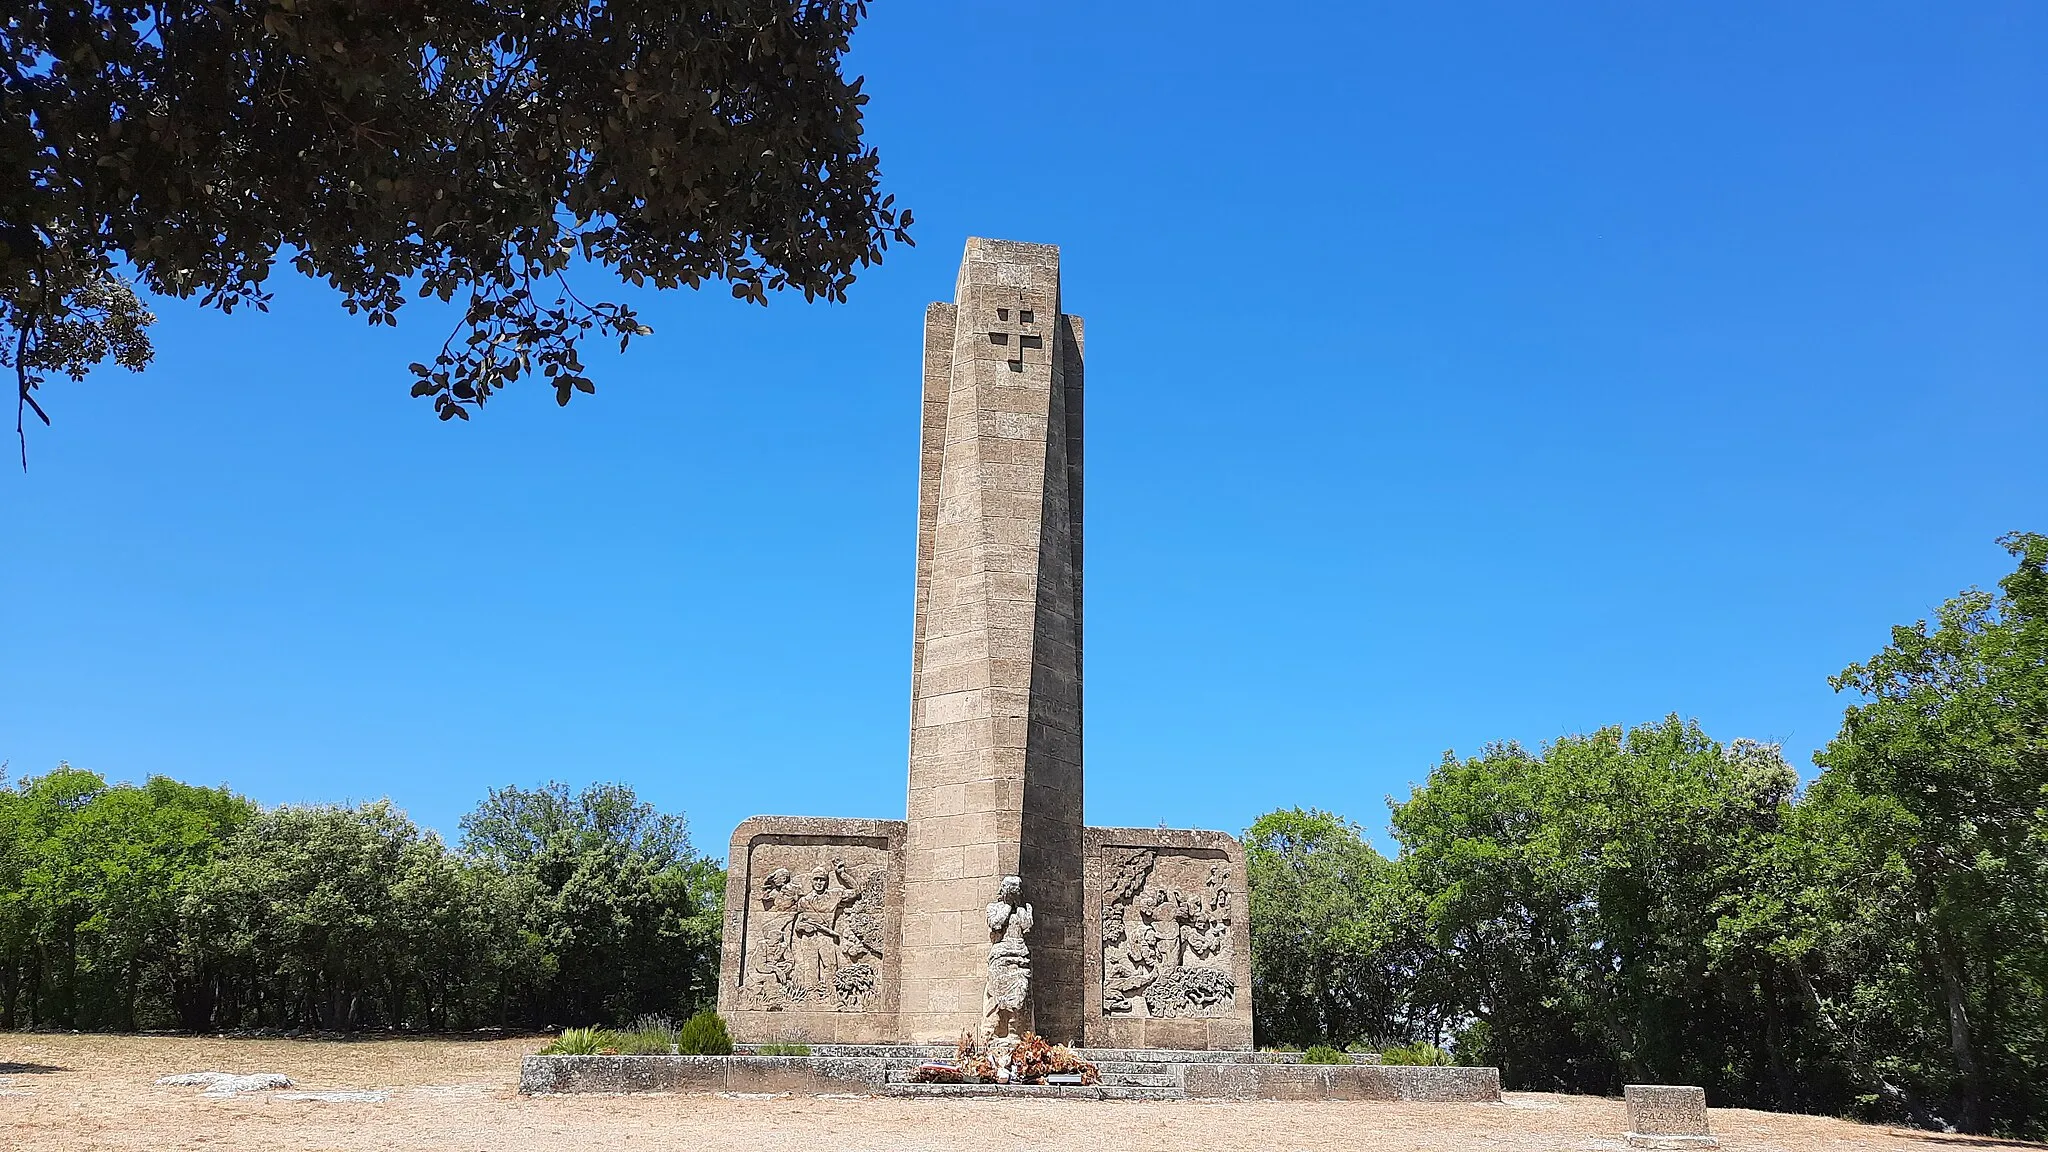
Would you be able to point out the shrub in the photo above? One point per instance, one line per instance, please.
(642, 1043)
(704, 1035)
(575, 1042)
(1324, 1054)
(657, 1024)
(780, 1049)
(650, 1035)
(1420, 1052)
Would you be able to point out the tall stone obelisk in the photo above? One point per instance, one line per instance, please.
(995, 738)
(856, 931)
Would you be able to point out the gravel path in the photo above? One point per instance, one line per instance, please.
(61, 1092)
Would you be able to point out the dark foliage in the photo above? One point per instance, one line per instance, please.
(168, 906)
(469, 150)
(1654, 906)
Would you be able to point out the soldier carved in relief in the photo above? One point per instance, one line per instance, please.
(809, 940)
(814, 928)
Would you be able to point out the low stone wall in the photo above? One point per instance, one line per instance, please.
(912, 1053)
(801, 1075)
(1265, 1077)
(1342, 1082)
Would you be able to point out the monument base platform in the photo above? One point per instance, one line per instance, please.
(1127, 1074)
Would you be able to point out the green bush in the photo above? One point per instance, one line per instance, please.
(1420, 1053)
(704, 1035)
(782, 1049)
(643, 1042)
(651, 1035)
(575, 1042)
(1324, 1054)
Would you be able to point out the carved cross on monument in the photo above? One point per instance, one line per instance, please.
(1014, 326)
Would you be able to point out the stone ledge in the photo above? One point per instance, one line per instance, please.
(869, 1075)
(801, 1075)
(1388, 1082)
(1204, 1056)
(1642, 1140)
(915, 1053)
(1033, 1091)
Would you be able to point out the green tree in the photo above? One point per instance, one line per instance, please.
(625, 914)
(91, 877)
(1941, 778)
(334, 914)
(1571, 895)
(455, 149)
(1336, 935)
(513, 826)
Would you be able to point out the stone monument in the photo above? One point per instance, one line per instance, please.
(1667, 1116)
(874, 931)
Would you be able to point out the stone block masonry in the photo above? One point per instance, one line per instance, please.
(887, 1070)
(1667, 1116)
(995, 724)
(871, 931)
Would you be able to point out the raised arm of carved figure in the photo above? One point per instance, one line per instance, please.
(1023, 918)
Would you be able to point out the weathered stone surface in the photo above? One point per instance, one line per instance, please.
(1006, 1001)
(812, 935)
(804, 1075)
(1170, 959)
(1130, 1075)
(995, 745)
(1667, 1116)
(1341, 1082)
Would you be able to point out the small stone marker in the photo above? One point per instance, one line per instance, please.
(1667, 1116)
(218, 1084)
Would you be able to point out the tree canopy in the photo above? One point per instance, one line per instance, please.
(126, 907)
(471, 150)
(1653, 905)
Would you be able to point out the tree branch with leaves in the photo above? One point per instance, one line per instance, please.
(467, 150)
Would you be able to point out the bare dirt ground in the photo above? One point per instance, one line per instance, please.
(62, 1092)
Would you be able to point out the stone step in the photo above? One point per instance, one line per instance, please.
(1183, 1056)
(1110, 1068)
(1140, 1080)
(1097, 1056)
(1122, 1059)
(1150, 1078)
(912, 1053)
(1035, 1091)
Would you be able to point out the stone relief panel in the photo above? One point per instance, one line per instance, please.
(815, 930)
(1166, 932)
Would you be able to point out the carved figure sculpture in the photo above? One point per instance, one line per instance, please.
(1006, 1006)
(1173, 957)
(1125, 971)
(813, 939)
(815, 926)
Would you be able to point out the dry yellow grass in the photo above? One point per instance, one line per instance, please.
(59, 1093)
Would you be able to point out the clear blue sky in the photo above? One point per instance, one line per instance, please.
(1456, 374)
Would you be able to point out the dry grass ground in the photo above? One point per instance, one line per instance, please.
(59, 1093)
